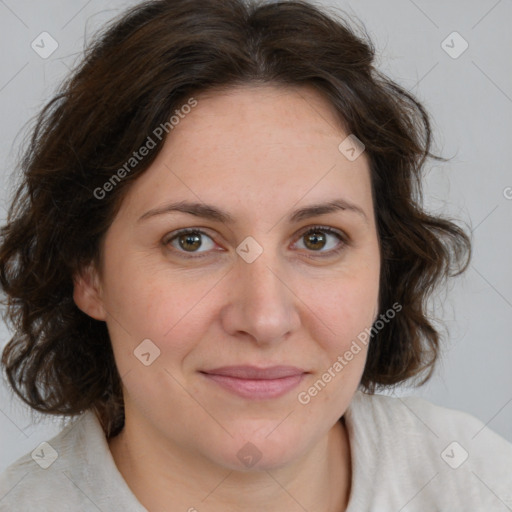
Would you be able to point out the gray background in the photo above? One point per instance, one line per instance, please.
(470, 99)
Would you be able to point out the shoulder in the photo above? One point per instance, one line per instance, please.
(42, 473)
(419, 445)
(74, 470)
(398, 415)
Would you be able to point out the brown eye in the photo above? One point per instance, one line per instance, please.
(318, 238)
(190, 241)
(315, 240)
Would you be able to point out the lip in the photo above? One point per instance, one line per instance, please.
(257, 383)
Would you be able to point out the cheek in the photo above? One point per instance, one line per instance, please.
(343, 317)
(144, 302)
(344, 307)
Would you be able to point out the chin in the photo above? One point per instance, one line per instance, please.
(261, 452)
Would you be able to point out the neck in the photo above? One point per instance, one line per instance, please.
(159, 476)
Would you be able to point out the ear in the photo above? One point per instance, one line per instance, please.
(87, 293)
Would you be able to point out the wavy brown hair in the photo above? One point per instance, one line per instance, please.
(141, 68)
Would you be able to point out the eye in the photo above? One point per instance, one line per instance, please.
(189, 241)
(317, 238)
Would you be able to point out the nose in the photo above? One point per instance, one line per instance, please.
(261, 304)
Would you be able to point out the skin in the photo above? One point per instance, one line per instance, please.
(258, 153)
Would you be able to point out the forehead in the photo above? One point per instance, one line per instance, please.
(268, 116)
(266, 143)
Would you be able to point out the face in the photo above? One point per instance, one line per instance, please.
(247, 312)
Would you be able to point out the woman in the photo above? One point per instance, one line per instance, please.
(216, 257)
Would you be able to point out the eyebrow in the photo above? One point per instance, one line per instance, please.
(211, 212)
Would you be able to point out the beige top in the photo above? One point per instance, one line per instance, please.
(408, 455)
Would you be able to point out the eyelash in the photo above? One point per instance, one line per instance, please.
(314, 229)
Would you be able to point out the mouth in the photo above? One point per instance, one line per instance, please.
(256, 383)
